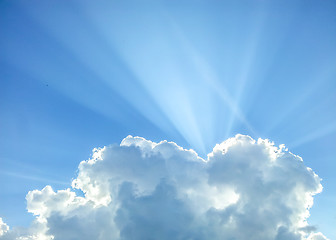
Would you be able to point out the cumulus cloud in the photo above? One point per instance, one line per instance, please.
(317, 236)
(245, 189)
(3, 227)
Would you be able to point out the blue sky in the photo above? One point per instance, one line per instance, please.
(81, 74)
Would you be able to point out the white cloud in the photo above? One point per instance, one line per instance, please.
(246, 189)
(3, 227)
(317, 236)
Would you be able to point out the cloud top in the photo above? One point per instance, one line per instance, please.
(245, 189)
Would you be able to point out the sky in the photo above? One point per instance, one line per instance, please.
(79, 75)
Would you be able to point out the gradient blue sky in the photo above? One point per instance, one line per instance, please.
(82, 74)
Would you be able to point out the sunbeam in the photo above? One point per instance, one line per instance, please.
(103, 82)
(212, 84)
(34, 178)
(247, 66)
(320, 78)
(313, 136)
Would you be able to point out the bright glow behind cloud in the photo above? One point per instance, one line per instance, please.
(246, 189)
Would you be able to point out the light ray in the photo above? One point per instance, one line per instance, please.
(209, 77)
(164, 83)
(34, 178)
(322, 77)
(247, 66)
(328, 129)
(101, 68)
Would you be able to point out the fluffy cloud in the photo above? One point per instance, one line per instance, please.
(246, 189)
(317, 236)
(3, 227)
